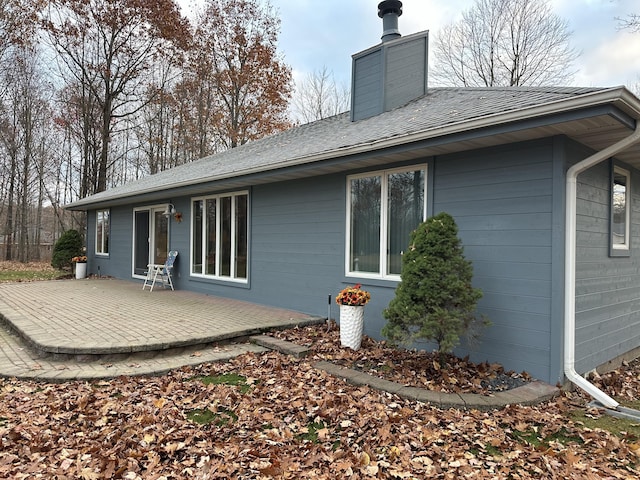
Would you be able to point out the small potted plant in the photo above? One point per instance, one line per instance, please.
(81, 266)
(352, 301)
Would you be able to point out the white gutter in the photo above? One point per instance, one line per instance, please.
(570, 265)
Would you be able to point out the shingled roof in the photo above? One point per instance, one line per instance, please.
(439, 113)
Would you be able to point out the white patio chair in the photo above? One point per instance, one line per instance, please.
(163, 270)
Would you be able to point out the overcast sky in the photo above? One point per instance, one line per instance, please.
(319, 33)
(326, 33)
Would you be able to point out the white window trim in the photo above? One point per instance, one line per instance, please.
(217, 276)
(151, 209)
(626, 245)
(102, 253)
(380, 275)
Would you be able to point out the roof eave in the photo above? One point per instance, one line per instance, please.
(620, 97)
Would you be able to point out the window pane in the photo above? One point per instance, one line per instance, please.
(211, 237)
(241, 236)
(405, 212)
(225, 232)
(105, 232)
(364, 251)
(102, 231)
(619, 233)
(99, 230)
(197, 237)
(161, 236)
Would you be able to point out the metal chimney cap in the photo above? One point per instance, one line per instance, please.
(389, 6)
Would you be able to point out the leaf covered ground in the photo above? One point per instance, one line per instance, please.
(447, 373)
(272, 416)
(28, 272)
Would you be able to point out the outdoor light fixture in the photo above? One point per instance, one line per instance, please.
(169, 210)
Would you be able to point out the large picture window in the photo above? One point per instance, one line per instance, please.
(219, 236)
(620, 208)
(383, 208)
(102, 232)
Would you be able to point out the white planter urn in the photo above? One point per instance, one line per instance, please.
(351, 326)
(81, 270)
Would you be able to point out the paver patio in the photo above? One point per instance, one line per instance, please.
(98, 329)
(102, 320)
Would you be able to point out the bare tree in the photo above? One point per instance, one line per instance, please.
(505, 43)
(107, 47)
(319, 96)
(24, 130)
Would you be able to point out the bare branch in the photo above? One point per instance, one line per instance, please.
(319, 96)
(505, 43)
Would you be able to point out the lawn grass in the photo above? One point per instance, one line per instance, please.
(28, 272)
(620, 427)
(227, 379)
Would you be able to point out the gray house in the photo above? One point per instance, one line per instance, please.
(544, 184)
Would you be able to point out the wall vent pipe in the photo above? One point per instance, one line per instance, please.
(389, 11)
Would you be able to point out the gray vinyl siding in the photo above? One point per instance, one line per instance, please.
(118, 262)
(389, 75)
(405, 73)
(607, 288)
(296, 249)
(367, 85)
(502, 200)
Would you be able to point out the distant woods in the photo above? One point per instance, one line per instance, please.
(95, 93)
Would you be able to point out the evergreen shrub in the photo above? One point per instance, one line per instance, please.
(69, 245)
(434, 300)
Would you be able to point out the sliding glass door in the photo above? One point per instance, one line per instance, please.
(150, 238)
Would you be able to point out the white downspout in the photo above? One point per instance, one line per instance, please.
(570, 265)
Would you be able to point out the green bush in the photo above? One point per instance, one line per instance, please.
(68, 246)
(434, 300)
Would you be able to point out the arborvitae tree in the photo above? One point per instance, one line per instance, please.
(435, 300)
(68, 246)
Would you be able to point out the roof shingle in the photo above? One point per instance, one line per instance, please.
(438, 108)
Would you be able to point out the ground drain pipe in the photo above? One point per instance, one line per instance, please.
(570, 267)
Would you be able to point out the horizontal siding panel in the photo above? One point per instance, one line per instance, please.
(499, 238)
(523, 337)
(611, 328)
(497, 177)
(535, 204)
(508, 253)
(609, 313)
(585, 239)
(506, 159)
(288, 226)
(322, 265)
(616, 266)
(606, 283)
(536, 288)
(294, 251)
(522, 321)
(512, 270)
(519, 303)
(520, 358)
(493, 191)
(523, 221)
(604, 349)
